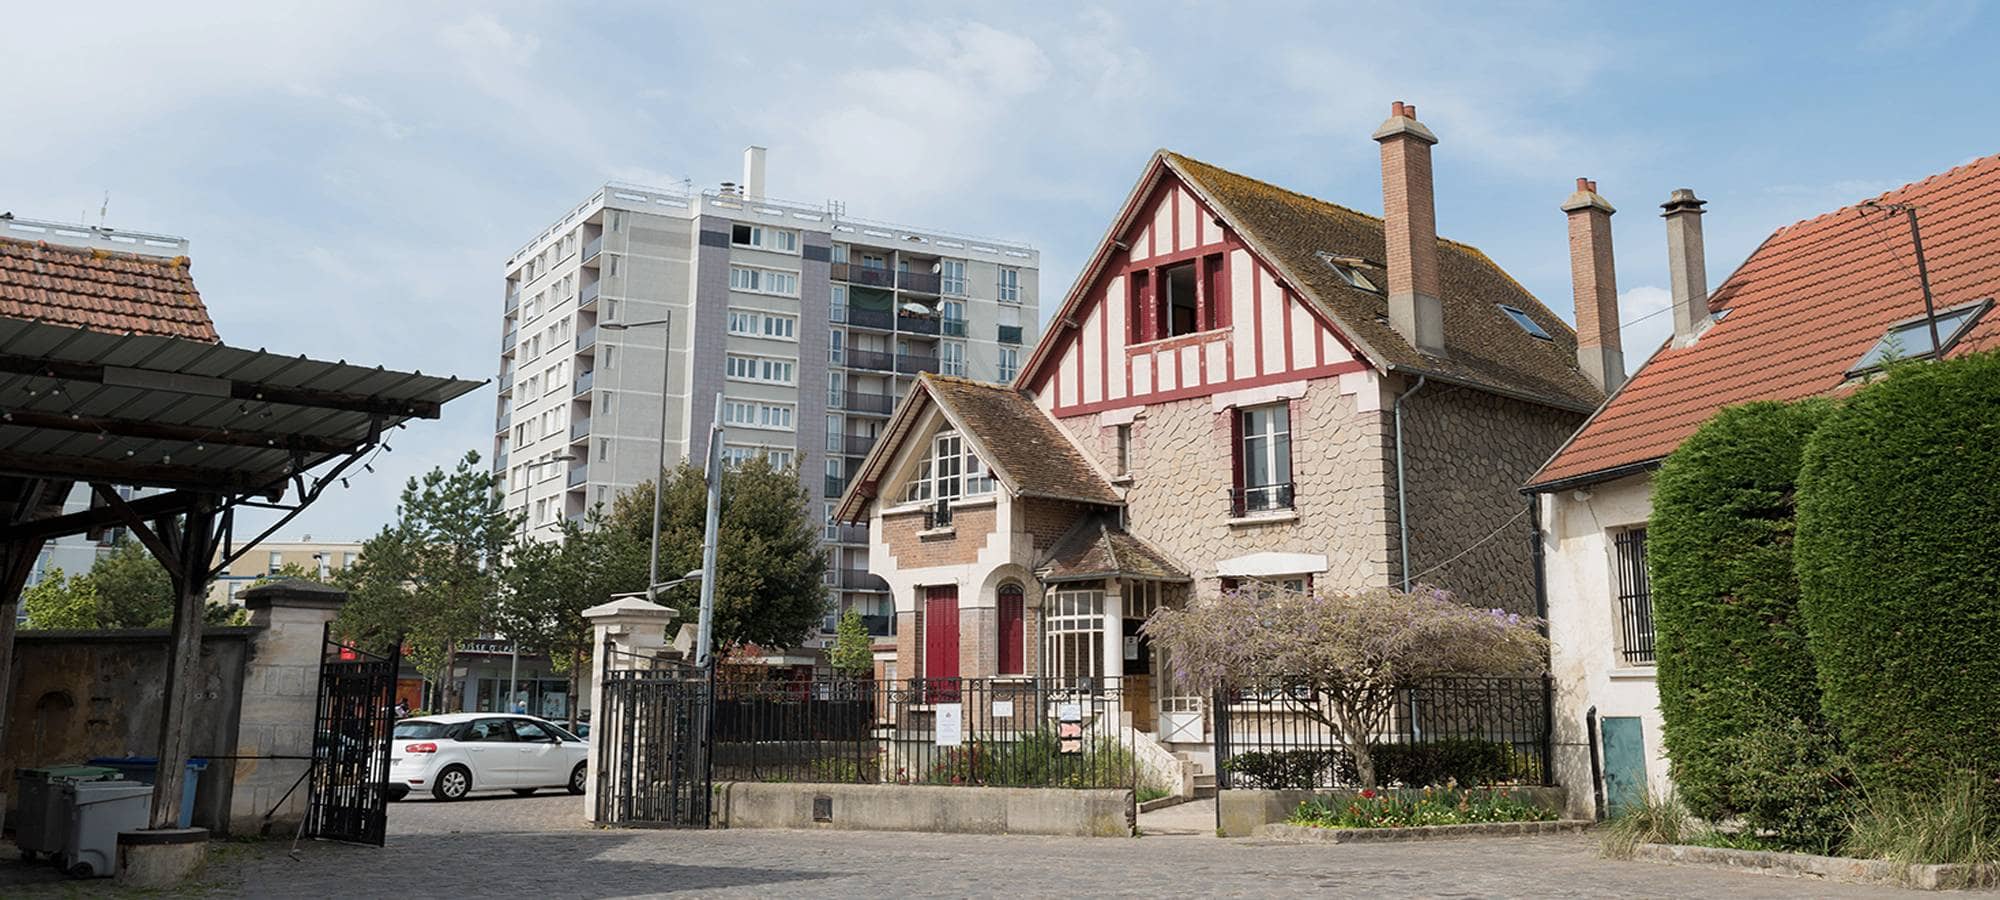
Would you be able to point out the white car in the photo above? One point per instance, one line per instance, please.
(453, 755)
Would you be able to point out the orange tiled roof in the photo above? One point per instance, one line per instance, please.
(121, 293)
(1802, 310)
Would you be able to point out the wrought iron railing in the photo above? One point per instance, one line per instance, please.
(938, 514)
(952, 327)
(1268, 498)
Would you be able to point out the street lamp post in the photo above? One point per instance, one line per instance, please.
(660, 470)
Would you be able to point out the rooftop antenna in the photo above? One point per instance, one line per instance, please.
(104, 208)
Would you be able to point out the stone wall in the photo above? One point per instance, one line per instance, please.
(81, 694)
(1467, 454)
(1181, 479)
(945, 810)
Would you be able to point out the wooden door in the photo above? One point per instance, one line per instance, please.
(941, 631)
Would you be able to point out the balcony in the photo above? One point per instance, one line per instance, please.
(911, 363)
(578, 475)
(507, 342)
(584, 380)
(504, 422)
(579, 429)
(589, 294)
(506, 382)
(872, 276)
(878, 319)
(856, 444)
(500, 461)
(835, 485)
(1010, 334)
(952, 327)
(862, 580)
(880, 626)
(851, 534)
(871, 359)
(938, 515)
(513, 297)
(1263, 500)
(586, 339)
(592, 247)
(873, 404)
(916, 324)
(921, 282)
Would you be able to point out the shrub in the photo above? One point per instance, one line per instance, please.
(1899, 505)
(1731, 649)
(1415, 808)
(1291, 768)
(1036, 760)
(1652, 819)
(1802, 794)
(1953, 824)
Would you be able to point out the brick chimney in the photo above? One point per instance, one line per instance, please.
(1594, 281)
(1409, 228)
(1685, 264)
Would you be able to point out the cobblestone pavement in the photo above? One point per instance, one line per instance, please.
(538, 847)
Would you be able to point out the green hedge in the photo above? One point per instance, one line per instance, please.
(1464, 761)
(1731, 649)
(1899, 564)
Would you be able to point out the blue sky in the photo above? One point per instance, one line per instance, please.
(353, 175)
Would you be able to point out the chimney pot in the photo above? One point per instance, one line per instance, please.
(1396, 108)
(1600, 354)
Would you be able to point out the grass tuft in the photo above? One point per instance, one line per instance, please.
(1654, 819)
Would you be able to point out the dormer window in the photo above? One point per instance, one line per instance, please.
(951, 471)
(1349, 270)
(1527, 324)
(1911, 338)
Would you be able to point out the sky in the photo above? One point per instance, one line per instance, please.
(353, 176)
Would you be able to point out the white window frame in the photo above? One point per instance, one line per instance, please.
(1010, 284)
(760, 280)
(1265, 444)
(1010, 363)
(950, 471)
(1073, 633)
(951, 277)
(764, 237)
(760, 369)
(951, 358)
(757, 323)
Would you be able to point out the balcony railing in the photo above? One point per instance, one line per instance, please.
(835, 485)
(579, 429)
(513, 298)
(578, 475)
(938, 515)
(851, 534)
(921, 282)
(870, 359)
(507, 341)
(506, 382)
(500, 462)
(504, 422)
(916, 324)
(873, 276)
(589, 293)
(1010, 334)
(872, 403)
(879, 626)
(911, 363)
(862, 580)
(586, 338)
(857, 444)
(584, 380)
(593, 247)
(952, 327)
(1263, 499)
(880, 319)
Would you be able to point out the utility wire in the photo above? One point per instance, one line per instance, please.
(1474, 546)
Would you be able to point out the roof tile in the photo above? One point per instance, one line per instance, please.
(120, 293)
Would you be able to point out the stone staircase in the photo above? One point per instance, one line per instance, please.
(1204, 780)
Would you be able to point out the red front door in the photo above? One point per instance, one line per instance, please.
(941, 632)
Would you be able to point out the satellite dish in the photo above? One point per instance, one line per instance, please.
(936, 268)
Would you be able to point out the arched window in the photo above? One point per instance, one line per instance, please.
(1013, 626)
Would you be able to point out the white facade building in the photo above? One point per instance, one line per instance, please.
(809, 324)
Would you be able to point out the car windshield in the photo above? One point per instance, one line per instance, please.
(562, 733)
(420, 729)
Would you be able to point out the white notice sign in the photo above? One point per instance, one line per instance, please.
(1003, 709)
(950, 724)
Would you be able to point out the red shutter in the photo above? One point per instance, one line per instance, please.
(1217, 290)
(1236, 455)
(941, 631)
(1137, 329)
(1013, 618)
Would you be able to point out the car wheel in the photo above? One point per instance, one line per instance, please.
(453, 783)
(576, 778)
(525, 792)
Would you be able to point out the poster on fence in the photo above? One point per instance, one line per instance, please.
(1069, 727)
(1003, 709)
(950, 724)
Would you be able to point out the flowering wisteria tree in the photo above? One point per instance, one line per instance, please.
(1354, 650)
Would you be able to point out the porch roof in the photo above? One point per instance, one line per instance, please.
(1095, 547)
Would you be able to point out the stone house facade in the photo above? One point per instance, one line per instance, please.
(1236, 389)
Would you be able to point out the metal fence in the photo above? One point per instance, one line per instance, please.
(652, 745)
(1465, 730)
(999, 732)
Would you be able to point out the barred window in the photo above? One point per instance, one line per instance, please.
(1635, 598)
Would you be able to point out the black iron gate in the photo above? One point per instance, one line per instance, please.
(349, 800)
(652, 739)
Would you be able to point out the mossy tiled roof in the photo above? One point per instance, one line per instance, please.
(99, 290)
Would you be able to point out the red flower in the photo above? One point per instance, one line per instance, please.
(1367, 793)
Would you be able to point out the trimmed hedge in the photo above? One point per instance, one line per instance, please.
(1899, 564)
(1730, 645)
(1464, 761)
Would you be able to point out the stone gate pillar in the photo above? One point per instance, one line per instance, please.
(625, 625)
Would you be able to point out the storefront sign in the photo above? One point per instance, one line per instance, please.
(950, 724)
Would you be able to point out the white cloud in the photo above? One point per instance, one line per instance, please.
(1645, 321)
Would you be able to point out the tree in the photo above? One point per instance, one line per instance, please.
(1731, 644)
(1356, 651)
(1899, 582)
(548, 585)
(770, 560)
(431, 578)
(853, 650)
(133, 589)
(61, 601)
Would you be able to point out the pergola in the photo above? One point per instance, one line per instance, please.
(214, 428)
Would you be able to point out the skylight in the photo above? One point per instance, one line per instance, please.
(1528, 325)
(1346, 268)
(1912, 339)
